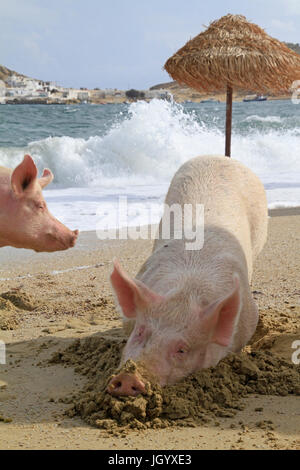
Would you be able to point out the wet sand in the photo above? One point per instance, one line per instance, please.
(65, 296)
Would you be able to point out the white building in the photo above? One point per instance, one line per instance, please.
(14, 92)
(12, 81)
(83, 95)
(158, 94)
(98, 94)
(31, 85)
(2, 92)
(73, 94)
(40, 94)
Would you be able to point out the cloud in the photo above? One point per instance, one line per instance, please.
(286, 26)
(25, 29)
(172, 40)
(283, 7)
(31, 44)
(28, 12)
(172, 36)
(292, 6)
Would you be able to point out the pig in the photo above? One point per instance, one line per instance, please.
(188, 309)
(25, 221)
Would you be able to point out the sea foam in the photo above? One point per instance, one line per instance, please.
(151, 143)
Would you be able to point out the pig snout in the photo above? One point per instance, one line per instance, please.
(126, 385)
(61, 239)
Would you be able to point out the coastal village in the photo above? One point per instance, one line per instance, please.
(18, 89)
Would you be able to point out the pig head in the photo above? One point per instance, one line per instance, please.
(25, 221)
(175, 334)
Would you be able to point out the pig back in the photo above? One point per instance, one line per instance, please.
(233, 198)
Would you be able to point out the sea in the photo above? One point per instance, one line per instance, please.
(104, 156)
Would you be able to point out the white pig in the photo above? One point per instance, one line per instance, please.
(188, 309)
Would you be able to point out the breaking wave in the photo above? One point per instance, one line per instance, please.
(149, 145)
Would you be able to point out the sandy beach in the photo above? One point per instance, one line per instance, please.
(55, 299)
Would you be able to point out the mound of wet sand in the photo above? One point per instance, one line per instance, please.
(11, 305)
(200, 398)
(8, 317)
(276, 321)
(281, 345)
(20, 299)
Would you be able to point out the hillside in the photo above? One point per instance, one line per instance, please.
(294, 47)
(5, 73)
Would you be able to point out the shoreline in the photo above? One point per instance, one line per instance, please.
(284, 211)
(87, 241)
(84, 257)
(179, 100)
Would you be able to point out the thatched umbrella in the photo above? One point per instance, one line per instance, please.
(233, 53)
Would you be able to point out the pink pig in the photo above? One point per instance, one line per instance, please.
(188, 309)
(25, 221)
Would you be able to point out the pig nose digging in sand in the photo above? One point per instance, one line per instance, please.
(126, 385)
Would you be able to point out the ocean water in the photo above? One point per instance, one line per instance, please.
(99, 153)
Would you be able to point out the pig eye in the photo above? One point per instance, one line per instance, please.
(181, 351)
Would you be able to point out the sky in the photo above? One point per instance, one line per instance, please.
(119, 43)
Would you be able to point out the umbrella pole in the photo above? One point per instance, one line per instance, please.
(228, 121)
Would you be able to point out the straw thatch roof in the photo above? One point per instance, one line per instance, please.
(237, 53)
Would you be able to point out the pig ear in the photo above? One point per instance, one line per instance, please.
(221, 317)
(46, 178)
(23, 175)
(132, 294)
